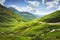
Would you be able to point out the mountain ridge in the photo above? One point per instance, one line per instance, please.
(5, 14)
(14, 27)
(26, 15)
(53, 17)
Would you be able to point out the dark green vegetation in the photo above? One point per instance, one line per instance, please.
(7, 15)
(14, 27)
(53, 17)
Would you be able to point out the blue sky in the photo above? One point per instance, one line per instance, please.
(39, 7)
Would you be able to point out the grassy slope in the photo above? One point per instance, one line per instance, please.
(9, 23)
(12, 27)
(42, 31)
(53, 17)
(9, 19)
(7, 15)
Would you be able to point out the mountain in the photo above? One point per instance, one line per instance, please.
(52, 18)
(8, 16)
(26, 15)
(14, 27)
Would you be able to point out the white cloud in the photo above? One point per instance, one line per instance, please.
(2, 2)
(28, 9)
(16, 7)
(34, 3)
(37, 12)
(49, 7)
(58, 8)
(51, 3)
(43, 1)
(31, 8)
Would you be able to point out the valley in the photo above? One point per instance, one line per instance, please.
(14, 26)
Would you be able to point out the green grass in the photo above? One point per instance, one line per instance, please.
(29, 31)
(39, 31)
(14, 27)
(52, 18)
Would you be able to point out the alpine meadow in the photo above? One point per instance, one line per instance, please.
(25, 25)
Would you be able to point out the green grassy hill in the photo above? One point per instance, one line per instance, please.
(14, 27)
(9, 19)
(10, 23)
(7, 15)
(42, 31)
(53, 17)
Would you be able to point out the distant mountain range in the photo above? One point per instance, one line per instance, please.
(15, 25)
(26, 15)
